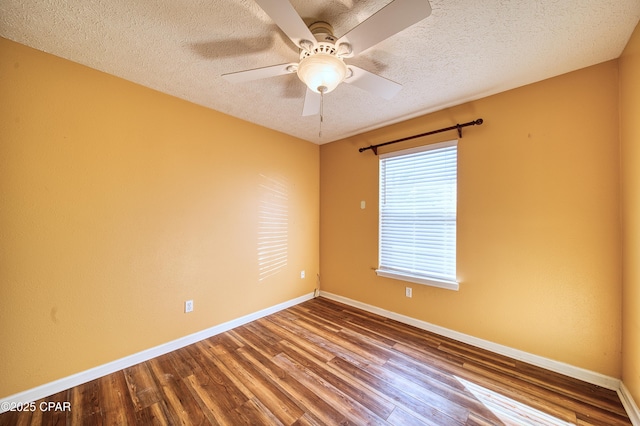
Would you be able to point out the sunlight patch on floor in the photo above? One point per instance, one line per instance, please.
(510, 412)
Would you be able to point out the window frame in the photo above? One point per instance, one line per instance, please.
(425, 279)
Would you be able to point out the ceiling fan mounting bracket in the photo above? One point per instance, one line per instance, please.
(323, 31)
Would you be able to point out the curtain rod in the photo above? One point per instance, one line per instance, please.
(458, 127)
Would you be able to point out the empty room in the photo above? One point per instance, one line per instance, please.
(397, 212)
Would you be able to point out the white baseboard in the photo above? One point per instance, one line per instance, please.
(56, 386)
(549, 364)
(629, 404)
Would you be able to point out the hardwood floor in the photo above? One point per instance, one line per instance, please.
(324, 363)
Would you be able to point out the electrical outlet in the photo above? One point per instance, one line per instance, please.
(302, 274)
(188, 306)
(408, 291)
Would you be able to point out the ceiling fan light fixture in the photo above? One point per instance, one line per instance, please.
(322, 72)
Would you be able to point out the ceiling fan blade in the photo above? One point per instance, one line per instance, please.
(391, 19)
(311, 103)
(286, 17)
(373, 83)
(258, 73)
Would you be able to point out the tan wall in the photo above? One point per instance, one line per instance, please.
(118, 203)
(630, 156)
(538, 221)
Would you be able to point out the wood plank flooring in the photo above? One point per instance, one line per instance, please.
(324, 363)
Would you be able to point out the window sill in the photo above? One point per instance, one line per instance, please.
(449, 285)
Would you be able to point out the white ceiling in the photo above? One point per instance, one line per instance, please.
(466, 49)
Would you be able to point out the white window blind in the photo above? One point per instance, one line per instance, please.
(418, 194)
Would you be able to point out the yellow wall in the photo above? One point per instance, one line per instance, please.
(538, 221)
(118, 203)
(630, 178)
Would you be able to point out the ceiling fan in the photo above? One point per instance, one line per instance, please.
(321, 66)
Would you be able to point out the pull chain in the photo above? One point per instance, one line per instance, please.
(321, 89)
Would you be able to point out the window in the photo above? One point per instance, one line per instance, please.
(418, 193)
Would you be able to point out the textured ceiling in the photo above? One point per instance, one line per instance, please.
(465, 50)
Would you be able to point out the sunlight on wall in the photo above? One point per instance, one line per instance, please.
(273, 226)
